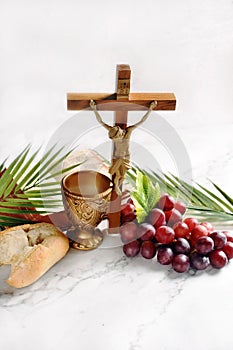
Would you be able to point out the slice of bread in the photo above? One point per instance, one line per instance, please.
(31, 250)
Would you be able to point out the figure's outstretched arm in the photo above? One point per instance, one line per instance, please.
(98, 117)
(144, 118)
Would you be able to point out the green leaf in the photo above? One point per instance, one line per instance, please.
(12, 221)
(219, 200)
(146, 185)
(50, 184)
(7, 177)
(18, 211)
(34, 174)
(138, 201)
(224, 194)
(164, 185)
(63, 171)
(2, 166)
(145, 196)
(139, 184)
(209, 215)
(35, 194)
(26, 174)
(187, 191)
(141, 214)
(17, 174)
(153, 196)
(43, 176)
(22, 189)
(197, 196)
(21, 203)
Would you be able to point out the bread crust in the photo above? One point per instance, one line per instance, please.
(46, 245)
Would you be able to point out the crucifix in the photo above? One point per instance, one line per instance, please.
(121, 102)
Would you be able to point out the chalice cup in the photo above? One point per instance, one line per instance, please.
(86, 197)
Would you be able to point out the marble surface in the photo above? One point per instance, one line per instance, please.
(102, 300)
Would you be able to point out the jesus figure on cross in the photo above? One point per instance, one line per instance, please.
(120, 137)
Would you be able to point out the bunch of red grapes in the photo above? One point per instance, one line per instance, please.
(182, 243)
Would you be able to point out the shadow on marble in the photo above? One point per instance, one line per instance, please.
(4, 287)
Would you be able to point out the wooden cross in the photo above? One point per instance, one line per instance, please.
(122, 101)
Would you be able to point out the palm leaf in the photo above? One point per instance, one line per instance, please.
(26, 178)
(12, 221)
(201, 201)
(13, 183)
(2, 165)
(29, 186)
(216, 198)
(198, 197)
(44, 174)
(224, 194)
(7, 176)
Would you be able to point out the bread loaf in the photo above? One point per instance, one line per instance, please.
(31, 250)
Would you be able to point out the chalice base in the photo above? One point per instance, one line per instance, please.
(83, 239)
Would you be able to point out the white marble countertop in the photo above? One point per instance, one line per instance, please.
(102, 300)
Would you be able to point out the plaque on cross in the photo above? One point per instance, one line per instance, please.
(120, 102)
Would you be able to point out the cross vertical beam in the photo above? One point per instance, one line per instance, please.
(123, 74)
(121, 101)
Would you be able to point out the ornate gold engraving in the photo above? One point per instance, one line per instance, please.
(86, 211)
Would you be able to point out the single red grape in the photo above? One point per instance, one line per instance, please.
(204, 245)
(148, 249)
(197, 232)
(209, 226)
(131, 249)
(165, 255)
(180, 206)
(181, 230)
(219, 239)
(157, 218)
(172, 217)
(166, 202)
(164, 234)
(128, 213)
(128, 232)
(199, 262)
(127, 208)
(146, 232)
(218, 259)
(191, 222)
(229, 235)
(228, 250)
(181, 246)
(180, 263)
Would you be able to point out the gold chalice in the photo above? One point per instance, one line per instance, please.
(86, 196)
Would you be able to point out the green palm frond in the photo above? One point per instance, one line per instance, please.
(201, 202)
(29, 186)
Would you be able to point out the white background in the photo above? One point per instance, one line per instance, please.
(49, 47)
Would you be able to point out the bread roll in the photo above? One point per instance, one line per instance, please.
(31, 250)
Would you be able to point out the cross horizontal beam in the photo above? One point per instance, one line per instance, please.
(108, 102)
